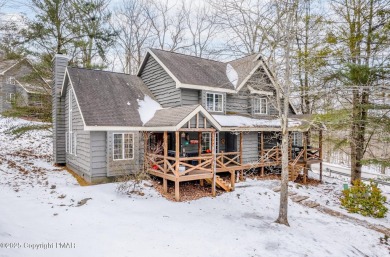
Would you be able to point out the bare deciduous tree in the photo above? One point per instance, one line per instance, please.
(203, 28)
(134, 33)
(168, 23)
(280, 40)
(245, 22)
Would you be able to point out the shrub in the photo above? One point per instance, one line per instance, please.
(41, 113)
(131, 183)
(20, 130)
(366, 199)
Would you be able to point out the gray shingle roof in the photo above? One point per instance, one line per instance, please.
(170, 116)
(108, 98)
(204, 72)
(244, 66)
(37, 88)
(6, 64)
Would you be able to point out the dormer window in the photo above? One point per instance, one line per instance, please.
(214, 102)
(260, 105)
(10, 80)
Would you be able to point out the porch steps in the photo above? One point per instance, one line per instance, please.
(219, 182)
(294, 171)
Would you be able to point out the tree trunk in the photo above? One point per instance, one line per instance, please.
(282, 219)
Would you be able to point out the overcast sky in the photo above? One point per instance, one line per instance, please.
(19, 6)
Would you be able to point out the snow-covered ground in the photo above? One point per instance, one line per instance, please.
(39, 208)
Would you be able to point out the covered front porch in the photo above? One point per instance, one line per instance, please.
(181, 145)
(195, 147)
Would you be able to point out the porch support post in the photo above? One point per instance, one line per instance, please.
(145, 134)
(177, 155)
(201, 182)
(305, 157)
(165, 145)
(177, 189)
(320, 146)
(290, 145)
(233, 179)
(241, 161)
(213, 162)
(262, 152)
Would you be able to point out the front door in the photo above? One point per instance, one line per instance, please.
(231, 142)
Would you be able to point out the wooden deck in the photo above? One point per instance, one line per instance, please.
(205, 167)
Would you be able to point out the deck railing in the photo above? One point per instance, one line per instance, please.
(271, 155)
(226, 159)
(313, 153)
(185, 165)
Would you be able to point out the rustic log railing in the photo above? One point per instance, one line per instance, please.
(298, 157)
(313, 153)
(226, 159)
(202, 163)
(271, 155)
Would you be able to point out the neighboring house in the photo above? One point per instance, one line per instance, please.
(20, 85)
(181, 117)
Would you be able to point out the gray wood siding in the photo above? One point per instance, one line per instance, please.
(189, 96)
(238, 103)
(6, 90)
(243, 101)
(58, 110)
(79, 160)
(2, 97)
(250, 149)
(162, 86)
(121, 167)
(98, 146)
(18, 72)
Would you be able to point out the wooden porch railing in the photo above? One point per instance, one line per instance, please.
(298, 157)
(226, 159)
(313, 153)
(201, 163)
(271, 155)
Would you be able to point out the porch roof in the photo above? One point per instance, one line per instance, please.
(170, 116)
(266, 123)
(176, 117)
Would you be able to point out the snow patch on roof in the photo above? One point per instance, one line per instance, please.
(147, 108)
(241, 121)
(232, 75)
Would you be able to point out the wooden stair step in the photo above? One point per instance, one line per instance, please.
(310, 204)
(219, 182)
(299, 198)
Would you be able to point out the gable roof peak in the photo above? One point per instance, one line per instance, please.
(185, 55)
(90, 69)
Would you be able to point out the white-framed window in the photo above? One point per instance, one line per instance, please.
(260, 105)
(206, 141)
(71, 138)
(214, 102)
(123, 146)
(10, 80)
(11, 98)
(71, 142)
(295, 139)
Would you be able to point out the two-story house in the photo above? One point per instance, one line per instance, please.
(20, 85)
(181, 118)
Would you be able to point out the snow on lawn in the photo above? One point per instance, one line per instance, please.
(233, 224)
(329, 193)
